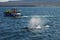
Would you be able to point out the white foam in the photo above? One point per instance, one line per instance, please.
(47, 26)
(40, 16)
(25, 16)
(38, 27)
(37, 22)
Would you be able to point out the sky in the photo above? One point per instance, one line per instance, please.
(32, 0)
(9, 0)
(4, 0)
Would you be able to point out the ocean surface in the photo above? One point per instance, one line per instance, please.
(44, 24)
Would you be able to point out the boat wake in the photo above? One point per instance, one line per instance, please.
(40, 16)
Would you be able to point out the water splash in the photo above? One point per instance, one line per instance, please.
(37, 22)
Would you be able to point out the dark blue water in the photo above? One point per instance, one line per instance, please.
(10, 28)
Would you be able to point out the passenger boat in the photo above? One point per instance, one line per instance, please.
(14, 13)
(19, 15)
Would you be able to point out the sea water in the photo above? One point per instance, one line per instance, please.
(43, 24)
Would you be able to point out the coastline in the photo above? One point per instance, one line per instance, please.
(29, 4)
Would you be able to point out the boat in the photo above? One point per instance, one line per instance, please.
(13, 14)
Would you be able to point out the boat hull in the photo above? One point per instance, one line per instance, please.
(12, 14)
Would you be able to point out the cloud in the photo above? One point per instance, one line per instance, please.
(4, 0)
(15, 0)
(9, 0)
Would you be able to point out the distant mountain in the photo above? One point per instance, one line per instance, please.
(40, 0)
(28, 4)
(15, 3)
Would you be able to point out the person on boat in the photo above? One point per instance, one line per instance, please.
(8, 11)
(14, 10)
